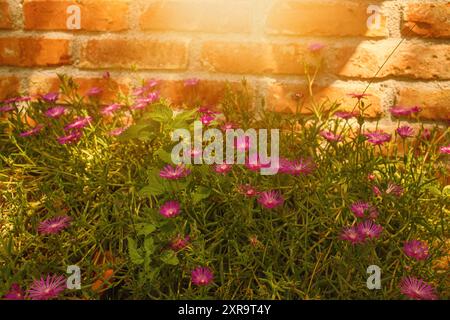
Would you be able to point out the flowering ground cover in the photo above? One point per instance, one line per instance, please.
(94, 187)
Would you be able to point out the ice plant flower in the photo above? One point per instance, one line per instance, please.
(369, 229)
(7, 108)
(191, 82)
(399, 111)
(179, 243)
(202, 276)
(301, 167)
(117, 132)
(417, 289)
(206, 119)
(94, 91)
(33, 131)
(255, 165)
(50, 97)
(330, 136)
(416, 249)
(405, 132)
(222, 168)
(361, 208)
(378, 137)
(359, 96)
(14, 293)
(445, 149)
(351, 235)
(248, 190)
(394, 189)
(55, 112)
(109, 110)
(46, 289)
(170, 209)
(73, 137)
(270, 199)
(174, 173)
(79, 123)
(54, 225)
(346, 115)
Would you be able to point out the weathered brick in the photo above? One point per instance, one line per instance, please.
(427, 19)
(96, 15)
(433, 102)
(281, 97)
(9, 87)
(324, 18)
(209, 16)
(143, 54)
(34, 52)
(5, 16)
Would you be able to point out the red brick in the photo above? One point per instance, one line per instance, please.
(428, 19)
(321, 18)
(34, 52)
(5, 16)
(96, 15)
(281, 97)
(435, 103)
(210, 16)
(9, 87)
(143, 54)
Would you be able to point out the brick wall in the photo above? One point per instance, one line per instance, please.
(265, 41)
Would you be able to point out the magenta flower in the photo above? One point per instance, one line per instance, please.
(7, 108)
(242, 143)
(394, 189)
(94, 91)
(359, 96)
(79, 123)
(301, 167)
(179, 243)
(36, 130)
(369, 229)
(378, 137)
(170, 209)
(417, 289)
(54, 225)
(15, 293)
(191, 82)
(270, 199)
(248, 190)
(416, 249)
(399, 111)
(316, 47)
(152, 83)
(47, 289)
(50, 97)
(330, 136)
(228, 126)
(405, 132)
(377, 191)
(151, 97)
(109, 110)
(222, 168)
(206, 119)
(202, 276)
(284, 166)
(361, 209)
(55, 112)
(174, 173)
(346, 115)
(445, 149)
(73, 137)
(16, 99)
(255, 165)
(351, 235)
(117, 132)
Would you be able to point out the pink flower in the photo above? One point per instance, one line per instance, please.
(54, 225)
(369, 229)
(378, 137)
(50, 97)
(179, 243)
(47, 289)
(394, 189)
(109, 110)
(330, 136)
(360, 209)
(359, 96)
(33, 131)
(202, 276)
(242, 143)
(445, 149)
(191, 82)
(174, 173)
(371, 177)
(7, 108)
(346, 115)
(417, 289)
(284, 166)
(301, 167)
(117, 132)
(376, 191)
(55, 112)
(270, 199)
(399, 111)
(15, 293)
(228, 126)
(170, 209)
(152, 83)
(352, 235)
(405, 132)
(255, 165)
(17, 99)
(206, 119)
(73, 137)
(416, 249)
(316, 47)
(94, 91)
(78, 123)
(248, 190)
(222, 168)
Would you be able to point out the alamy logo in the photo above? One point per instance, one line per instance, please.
(238, 143)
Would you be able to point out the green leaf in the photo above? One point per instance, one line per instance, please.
(161, 113)
(144, 229)
(170, 257)
(200, 194)
(149, 246)
(156, 185)
(164, 155)
(135, 256)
